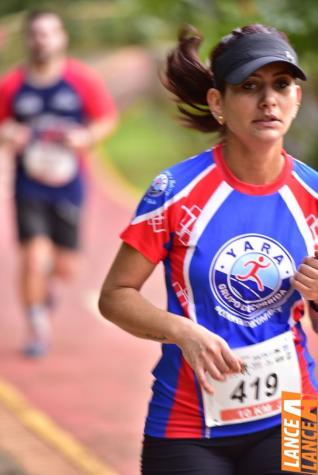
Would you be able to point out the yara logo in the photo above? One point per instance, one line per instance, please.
(251, 273)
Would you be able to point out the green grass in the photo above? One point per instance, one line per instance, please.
(148, 140)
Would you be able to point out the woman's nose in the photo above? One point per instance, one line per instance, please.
(268, 98)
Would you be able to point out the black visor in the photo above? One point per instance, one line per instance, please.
(250, 53)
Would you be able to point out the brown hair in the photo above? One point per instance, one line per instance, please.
(189, 80)
(33, 15)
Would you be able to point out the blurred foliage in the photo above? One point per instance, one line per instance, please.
(115, 22)
(148, 139)
(160, 142)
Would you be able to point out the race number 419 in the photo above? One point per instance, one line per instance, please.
(256, 394)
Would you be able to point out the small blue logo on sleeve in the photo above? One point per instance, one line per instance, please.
(162, 184)
(159, 185)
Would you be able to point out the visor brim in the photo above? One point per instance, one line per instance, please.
(244, 71)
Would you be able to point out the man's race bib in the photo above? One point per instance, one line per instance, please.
(271, 367)
(50, 163)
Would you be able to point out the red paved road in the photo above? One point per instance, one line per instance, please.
(95, 383)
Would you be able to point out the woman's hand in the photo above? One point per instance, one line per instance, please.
(207, 353)
(305, 280)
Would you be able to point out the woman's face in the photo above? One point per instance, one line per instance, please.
(261, 108)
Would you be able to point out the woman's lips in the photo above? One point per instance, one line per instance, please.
(267, 121)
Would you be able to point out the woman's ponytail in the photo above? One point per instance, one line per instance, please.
(189, 81)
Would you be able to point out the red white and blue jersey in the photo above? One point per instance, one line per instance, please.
(229, 250)
(77, 97)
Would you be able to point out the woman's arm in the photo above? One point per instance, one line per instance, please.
(305, 281)
(121, 303)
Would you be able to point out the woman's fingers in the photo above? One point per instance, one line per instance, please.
(215, 372)
(305, 279)
(233, 362)
(218, 365)
(203, 380)
(215, 355)
(306, 286)
(209, 355)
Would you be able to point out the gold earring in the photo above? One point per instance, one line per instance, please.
(219, 118)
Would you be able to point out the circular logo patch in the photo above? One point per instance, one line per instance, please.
(159, 185)
(250, 274)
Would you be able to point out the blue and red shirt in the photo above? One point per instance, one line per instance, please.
(77, 97)
(207, 227)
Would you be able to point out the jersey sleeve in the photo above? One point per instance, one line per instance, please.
(4, 103)
(151, 230)
(156, 223)
(97, 100)
(9, 84)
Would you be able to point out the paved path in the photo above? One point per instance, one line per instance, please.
(95, 384)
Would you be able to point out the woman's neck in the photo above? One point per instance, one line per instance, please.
(259, 165)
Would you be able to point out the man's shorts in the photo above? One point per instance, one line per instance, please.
(59, 221)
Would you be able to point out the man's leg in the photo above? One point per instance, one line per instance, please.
(36, 261)
(49, 238)
(42, 262)
(66, 263)
(36, 268)
(65, 235)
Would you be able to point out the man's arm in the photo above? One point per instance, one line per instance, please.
(101, 115)
(14, 134)
(85, 137)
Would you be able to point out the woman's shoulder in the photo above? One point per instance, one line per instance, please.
(178, 180)
(192, 166)
(305, 174)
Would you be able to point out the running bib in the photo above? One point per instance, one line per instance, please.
(50, 163)
(271, 367)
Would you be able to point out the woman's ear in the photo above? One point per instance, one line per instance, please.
(299, 94)
(214, 100)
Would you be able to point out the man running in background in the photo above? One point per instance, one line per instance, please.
(53, 109)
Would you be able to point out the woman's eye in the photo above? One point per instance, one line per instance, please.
(282, 84)
(249, 85)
